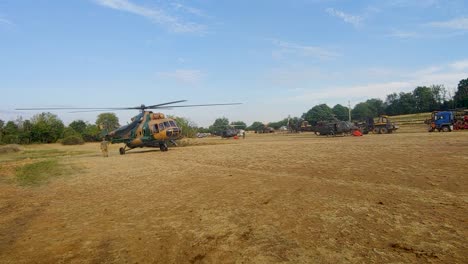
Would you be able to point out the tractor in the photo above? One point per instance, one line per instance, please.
(382, 126)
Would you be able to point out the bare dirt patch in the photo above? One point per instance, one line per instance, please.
(266, 199)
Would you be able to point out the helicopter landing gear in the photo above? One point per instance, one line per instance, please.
(122, 151)
(163, 147)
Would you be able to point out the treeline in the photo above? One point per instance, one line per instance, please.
(421, 100)
(48, 128)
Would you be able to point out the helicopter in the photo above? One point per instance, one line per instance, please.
(228, 131)
(325, 128)
(147, 129)
(333, 128)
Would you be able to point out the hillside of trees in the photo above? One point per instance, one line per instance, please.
(48, 128)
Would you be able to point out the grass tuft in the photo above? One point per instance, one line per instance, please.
(9, 148)
(38, 173)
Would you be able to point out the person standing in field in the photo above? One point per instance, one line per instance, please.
(104, 150)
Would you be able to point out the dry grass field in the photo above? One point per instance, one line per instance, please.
(398, 198)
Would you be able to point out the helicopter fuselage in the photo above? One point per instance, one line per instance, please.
(147, 129)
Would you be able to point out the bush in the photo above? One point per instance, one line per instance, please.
(10, 139)
(72, 140)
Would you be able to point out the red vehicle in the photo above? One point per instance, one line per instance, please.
(461, 119)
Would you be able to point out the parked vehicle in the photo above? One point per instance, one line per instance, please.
(383, 125)
(447, 121)
(441, 121)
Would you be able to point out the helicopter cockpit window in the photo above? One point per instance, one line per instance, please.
(173, 123)
(166, 124)
(155, 128)
(161, 126)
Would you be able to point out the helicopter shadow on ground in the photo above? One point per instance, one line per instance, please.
(131, 152)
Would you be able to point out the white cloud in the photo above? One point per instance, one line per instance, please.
(188, 9)
(460, 65)
(456, 23)
(4, 21)
(402, 81)
(413, 3)
(349, 92)
(403, 34)
(183, 75)
(302, 50)
(158, 16)
(348, 18)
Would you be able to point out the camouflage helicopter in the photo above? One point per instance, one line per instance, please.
(147, 129)
(228, 131)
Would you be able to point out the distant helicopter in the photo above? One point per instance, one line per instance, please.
(333, 128)
(229, 131)
(147, 129)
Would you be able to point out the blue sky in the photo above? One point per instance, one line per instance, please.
(279, 58)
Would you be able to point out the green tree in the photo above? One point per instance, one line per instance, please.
(69, 131)
(320, 112)
(424, 99)
(239, 124)
(294, 123)
(71, 137)
(219, 124)
(2, 123)
(362, 111)
(107, 121)
(25, 132)
(11, 133)
(377, 106)
(407, 104)
(341, 112)
(189, 128)
(278, 124)
(256, 126)
(461, 95)
(11, 128)
(91, 133)
(391, 103)
(440, 95)
(79, 126)
(46, 128)
(399, 104)
(203, 130)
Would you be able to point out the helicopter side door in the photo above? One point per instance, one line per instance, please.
(158, 131)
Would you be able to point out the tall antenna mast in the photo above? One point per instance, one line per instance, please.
(349, 110)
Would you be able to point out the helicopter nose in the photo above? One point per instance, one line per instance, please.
(173, 133)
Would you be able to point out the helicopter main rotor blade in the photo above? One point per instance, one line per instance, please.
(174, 106)
(163, 104)
(103, 110)
(166, 106)
(77, 108)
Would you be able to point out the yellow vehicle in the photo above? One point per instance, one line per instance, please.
(382, 126)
